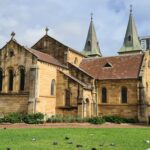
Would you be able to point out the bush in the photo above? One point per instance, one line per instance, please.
(33, 118)
(2, 120)
(115, 119)
(96, 120)
(66, 119)
(55, 119)
(12, 118)
(20, 117)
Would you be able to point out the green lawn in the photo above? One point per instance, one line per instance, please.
(124, 139)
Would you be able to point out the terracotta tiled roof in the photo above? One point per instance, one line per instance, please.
(45, 57)
(122, 67)
(80, 69)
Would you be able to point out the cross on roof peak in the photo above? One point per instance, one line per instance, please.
(46, 30)
(12, 35)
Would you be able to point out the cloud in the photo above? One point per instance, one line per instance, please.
(68, 21)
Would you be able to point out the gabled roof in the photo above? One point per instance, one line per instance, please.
(131, 40)
(69, 48)
(123, 67)
(91, 48)
(40, 56)
(45, 57)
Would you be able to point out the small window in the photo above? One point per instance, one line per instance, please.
(53, 87)
(1, 80)
(129, 38)
(76, 60)
(107, 65)
(104, 95)
(11, 80)
(124, 95)
(11, 52)
(89, 43)
(22, 79)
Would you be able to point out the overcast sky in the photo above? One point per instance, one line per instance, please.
(68, 21)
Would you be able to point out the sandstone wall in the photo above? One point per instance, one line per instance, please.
(114, 105)
(13, 103)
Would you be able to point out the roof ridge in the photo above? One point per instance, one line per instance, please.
(92, 58)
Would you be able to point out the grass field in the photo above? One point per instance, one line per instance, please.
(122, 139)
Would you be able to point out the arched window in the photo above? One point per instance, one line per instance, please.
(53, 87)
(1, 80)
(104, 95)
(124, 95)
(11, 80)
(22, 79)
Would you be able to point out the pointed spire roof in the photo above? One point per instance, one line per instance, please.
(91, 48)
(131, 41)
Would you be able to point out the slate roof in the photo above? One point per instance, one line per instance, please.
(45, 57)
(120, 67)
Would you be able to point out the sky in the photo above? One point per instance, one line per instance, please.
(68, 21)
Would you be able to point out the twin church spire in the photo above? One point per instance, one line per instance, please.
(131, 42)
(92, 48)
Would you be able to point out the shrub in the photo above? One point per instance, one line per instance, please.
(66, 119)
(69, 119)
(55, 119)
(36, 118)
(116, 119)
(96, 120)
(2, 120)
(12, 118)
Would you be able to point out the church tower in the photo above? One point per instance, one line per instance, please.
(91, 48)
(131, 41)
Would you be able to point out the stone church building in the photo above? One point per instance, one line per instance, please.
(53, 78)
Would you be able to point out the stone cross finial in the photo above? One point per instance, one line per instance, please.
(131, 9)
(12, 35)
(46, 30)
(91, 16)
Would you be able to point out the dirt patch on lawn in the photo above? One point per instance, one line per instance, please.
(71, 125)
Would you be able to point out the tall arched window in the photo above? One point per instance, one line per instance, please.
(1, 80)
(11, 80)
(53, 87)
(124, 95)
(104, 95)
(22, 79)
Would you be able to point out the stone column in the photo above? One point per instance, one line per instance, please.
(33, 89)
(142, 105)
